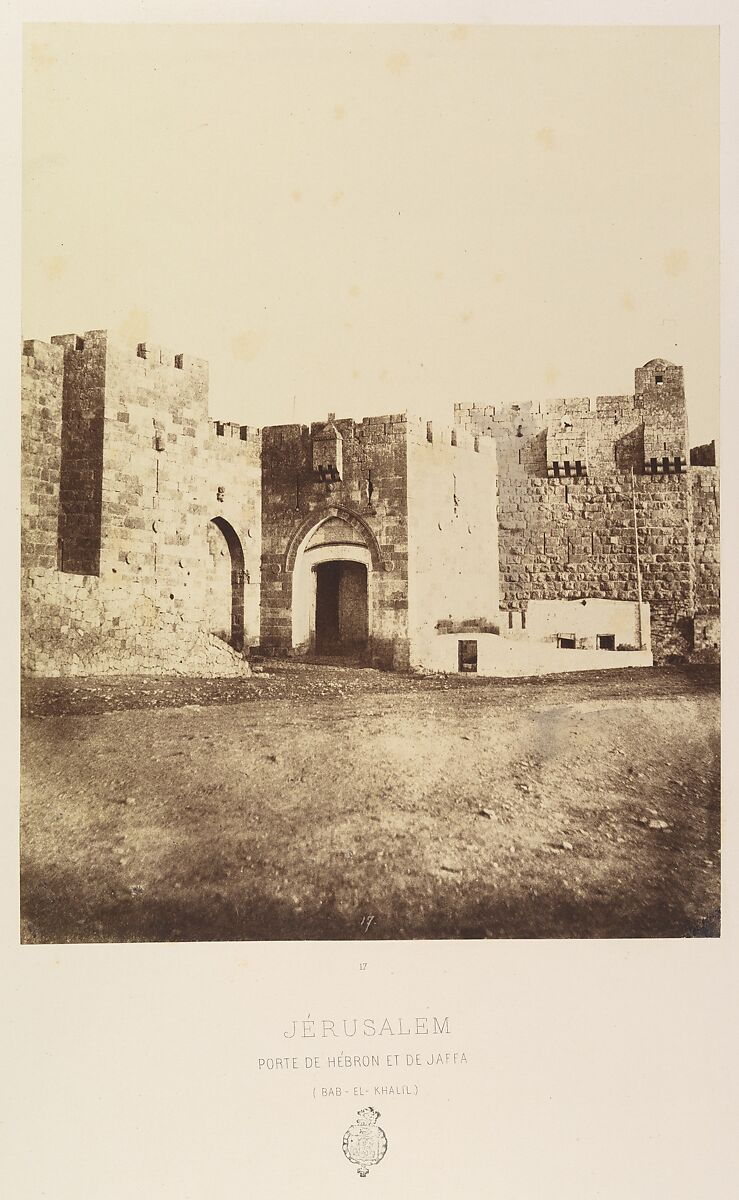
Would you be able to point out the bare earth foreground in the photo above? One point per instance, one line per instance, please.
(333, 802)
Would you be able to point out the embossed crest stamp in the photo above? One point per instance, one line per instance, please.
(365, 1142)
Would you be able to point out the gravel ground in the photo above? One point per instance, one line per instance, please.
(351, 803)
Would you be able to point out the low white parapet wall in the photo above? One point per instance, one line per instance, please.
(508, 658)
(589, 620)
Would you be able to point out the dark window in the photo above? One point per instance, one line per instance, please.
(666, 466)
(523, 619)
(555, 465)
(565, 641)
(468, 656)
(605, 641)
(653, 465)
(510, 618)
(659, 379)
(567, 468)
(578, 467)
(678, 464)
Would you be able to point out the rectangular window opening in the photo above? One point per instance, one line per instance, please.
(565, 641)
(510, 618)
(605, 641)
(653, 465)
(678, 464)
(578, 467)
(666, 466)
(467, 656)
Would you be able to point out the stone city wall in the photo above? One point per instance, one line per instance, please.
(136, 571)
(575, 540)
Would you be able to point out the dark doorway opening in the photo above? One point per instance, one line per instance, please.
(467, 660)
(342, 624)
(236, 559)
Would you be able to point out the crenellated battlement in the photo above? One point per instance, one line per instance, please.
(130, 486)
(232, 430)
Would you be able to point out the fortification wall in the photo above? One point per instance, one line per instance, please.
(453, 537)
(707, 557)
(140, 469)
(372, 486)
(42, 379)
(575, 539)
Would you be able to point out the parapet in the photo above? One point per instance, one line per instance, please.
(101, 339)
(43, 352)
(232, 430)
(453, 437)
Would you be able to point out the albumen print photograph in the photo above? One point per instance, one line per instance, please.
(370, 483)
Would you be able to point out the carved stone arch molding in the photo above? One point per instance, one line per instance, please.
(316, 518)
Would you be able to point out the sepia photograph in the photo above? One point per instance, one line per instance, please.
(370, 495)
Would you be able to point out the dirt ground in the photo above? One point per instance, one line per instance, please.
(334, 802)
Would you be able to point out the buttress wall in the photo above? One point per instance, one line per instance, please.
(453, 537)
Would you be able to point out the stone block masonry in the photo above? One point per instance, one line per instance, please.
(575, 540)
(365, 486)
(141, 473)
(155, 539)
(568, 470)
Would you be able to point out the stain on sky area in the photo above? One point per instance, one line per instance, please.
(41, 57)
(397, 64)
(459, 33)
(545, 137)
(296, 195)
(135, 326)
(676, 262)
(627, 302)
(246, 346)
(337, 197)
(339, 112)
(55, 267)
(551, 375)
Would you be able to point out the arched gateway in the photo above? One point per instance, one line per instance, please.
(332, 563)
(226, 590)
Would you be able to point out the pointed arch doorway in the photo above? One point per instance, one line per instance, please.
(332, 589)
(226, 591)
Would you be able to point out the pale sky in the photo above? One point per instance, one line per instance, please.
(368, 219)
